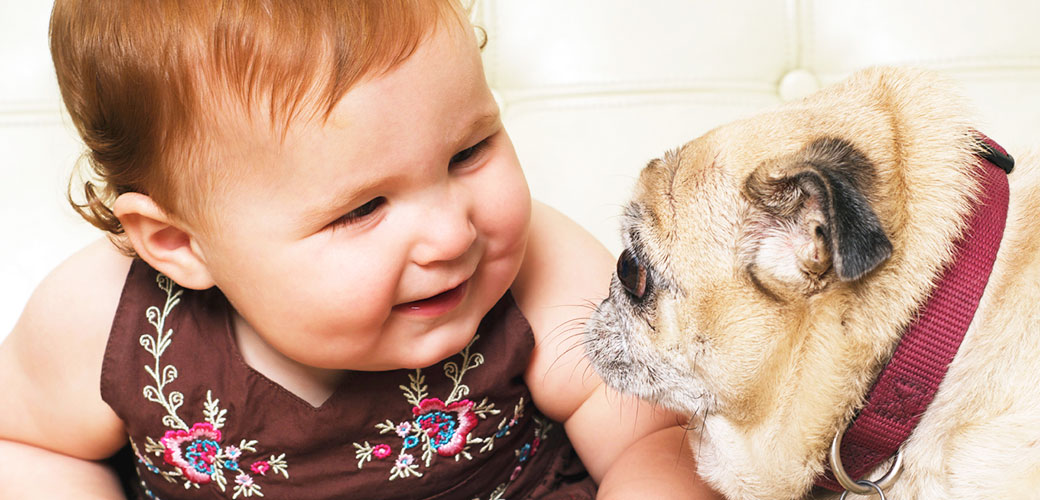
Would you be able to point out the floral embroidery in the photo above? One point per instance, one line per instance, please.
(403, 429)
(147, 492)
(447, 426)
(523, 454)
(381, 451)
(196, 453)
(438, 427)
(260, 467)
(195, 459)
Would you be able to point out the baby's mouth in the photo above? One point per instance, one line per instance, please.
(435, 305)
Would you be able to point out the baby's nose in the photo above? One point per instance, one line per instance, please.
(446, 234)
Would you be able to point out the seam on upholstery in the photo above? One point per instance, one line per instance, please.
(807, 50)
(713, 101)
(792, 46)
(493, 29)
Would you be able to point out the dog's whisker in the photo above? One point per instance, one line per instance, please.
(700, 431)
(587, 373)
(566, 352)
(564, 327)
(684, 442)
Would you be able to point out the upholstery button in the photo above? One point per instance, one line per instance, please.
(797, 84)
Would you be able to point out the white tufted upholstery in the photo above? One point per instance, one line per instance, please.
(590, 89)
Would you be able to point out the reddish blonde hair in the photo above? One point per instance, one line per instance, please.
(138, 78)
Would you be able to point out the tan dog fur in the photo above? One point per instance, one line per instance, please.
(751, 332)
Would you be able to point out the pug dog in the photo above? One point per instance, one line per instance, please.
(772, 266)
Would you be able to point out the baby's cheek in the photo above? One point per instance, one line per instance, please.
(503, 211)
(511, 226)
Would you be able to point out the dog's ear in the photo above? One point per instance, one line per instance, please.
(816, 197)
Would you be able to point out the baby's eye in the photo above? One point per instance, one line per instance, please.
(359, 213)
(469, 153)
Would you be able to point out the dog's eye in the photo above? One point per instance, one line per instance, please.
(631, 274)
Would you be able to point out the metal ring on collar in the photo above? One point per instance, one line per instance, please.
(872, 487)
(862, 487)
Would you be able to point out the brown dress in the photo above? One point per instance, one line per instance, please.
(203, 424)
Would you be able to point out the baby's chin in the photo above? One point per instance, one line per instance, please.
(446, 341)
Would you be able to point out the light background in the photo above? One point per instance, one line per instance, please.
(590, 90)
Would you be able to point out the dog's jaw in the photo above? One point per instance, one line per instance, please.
(617, 344)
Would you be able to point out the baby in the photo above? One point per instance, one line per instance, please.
(324, 278)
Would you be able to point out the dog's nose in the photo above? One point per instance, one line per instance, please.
(632, 274)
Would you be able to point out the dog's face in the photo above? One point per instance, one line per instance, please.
(771, 265)
(728, 242)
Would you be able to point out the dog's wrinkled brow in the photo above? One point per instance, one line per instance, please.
(631, 216)
(634, 241)
(634, 218)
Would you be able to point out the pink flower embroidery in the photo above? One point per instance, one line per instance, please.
(381, 451)
(194, 451)
(446, 425)
(403, 429)
(260, 467)
(404, 461)
(244, 479)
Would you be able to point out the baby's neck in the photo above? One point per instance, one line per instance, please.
(313, 385)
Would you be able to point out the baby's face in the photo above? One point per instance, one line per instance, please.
(378, 239)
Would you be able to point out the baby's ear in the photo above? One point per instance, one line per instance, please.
(161, 242)
(817, 198)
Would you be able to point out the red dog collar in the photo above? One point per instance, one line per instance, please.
(909, 381)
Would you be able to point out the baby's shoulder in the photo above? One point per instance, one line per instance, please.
(78, 299)
(564, 267)
(52, 359)
(565, 272)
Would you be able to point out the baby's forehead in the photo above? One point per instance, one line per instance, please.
(311, 100)
(287, 70)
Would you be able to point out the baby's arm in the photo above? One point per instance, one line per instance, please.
(631, 448)
(54, 427)
(32, 472)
